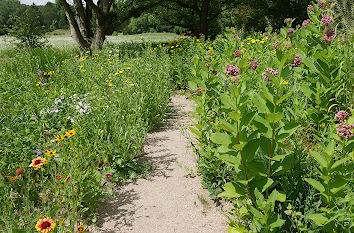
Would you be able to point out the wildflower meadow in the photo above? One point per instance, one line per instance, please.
(273, 125)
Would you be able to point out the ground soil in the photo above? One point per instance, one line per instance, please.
(171, 199)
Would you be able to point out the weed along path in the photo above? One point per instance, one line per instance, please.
(169, 200)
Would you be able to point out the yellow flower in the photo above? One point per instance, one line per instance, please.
(87, 52)
(39, 83)
(45, 73)
(323, 125)
(76, 56)
(253, 41)
(59, 138)
(50, 152)
(14, 178)
(110, 84)
(116, 73)
(259, 51)
(285, 83)
(67, 179)
(81, 67)
(70, 133)
(58, 177)
(210, 48)
(45, 225)
(262, 42)
(121, 72)
(132, 84)
(105, 160)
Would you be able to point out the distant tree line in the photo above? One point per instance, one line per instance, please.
(51, 16)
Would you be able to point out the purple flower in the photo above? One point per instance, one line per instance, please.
(329, 35)
(208, 64)
(234, 35)
(297, 61)
(198, 90)
(341, 115)
(275, 46)
(310, 8)
(345, 130)
(266, 77)
(272, 71)
(327, 20)
(288, 20)
(306, 22)
(291, 31)
(232, 70)
(39, 72)
(237, 53)
(253, 64)
(321, 5)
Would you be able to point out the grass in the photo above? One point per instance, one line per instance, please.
(67, 41)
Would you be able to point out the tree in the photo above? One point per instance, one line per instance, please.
(195, 15)
(27, 28)
(106, 15)
(7, 7)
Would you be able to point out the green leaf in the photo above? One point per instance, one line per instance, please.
(232, 190)
(287, 130)
(266, 93)
(305, 88)
(221, 138)
(268, 184)
(250, 149)
(319, 219)
(227, 126)
(229, 159)
(284, 97)
(339, 162)
(192, 85)
(235, 228)
(278, 223)
(235, 116)
(316, 184)
(195, 131)
(274, 117)
(320, 158)
(259, 102)
(246, 119)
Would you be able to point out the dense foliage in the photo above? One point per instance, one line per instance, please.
(274, 125)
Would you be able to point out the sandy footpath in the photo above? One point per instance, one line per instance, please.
(169, 200)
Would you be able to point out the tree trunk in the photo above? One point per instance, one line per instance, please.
(203, 16)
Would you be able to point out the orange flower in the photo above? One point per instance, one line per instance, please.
(67, 179)
(58, 177)
(45, 225)
(14, 178)
(81, 229)
(37, 163)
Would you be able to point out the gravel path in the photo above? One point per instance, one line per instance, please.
(170, 200)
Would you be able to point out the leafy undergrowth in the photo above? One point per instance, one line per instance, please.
(71, 126)
(274, 125)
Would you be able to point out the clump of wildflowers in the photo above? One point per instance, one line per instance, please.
(253, 64)
(291, 31)
(327, 20)
(237, 53)
(310, 8)
(266, 77)
(305, 23)
(343, 129)
(232, 70)
(297, 61)
(329, 35)
(38, 162)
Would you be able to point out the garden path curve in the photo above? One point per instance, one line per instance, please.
(169, 200)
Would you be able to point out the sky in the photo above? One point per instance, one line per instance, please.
(37, 2)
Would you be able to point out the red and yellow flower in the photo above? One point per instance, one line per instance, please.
(38, 162)
(45, 225)
(81, 229)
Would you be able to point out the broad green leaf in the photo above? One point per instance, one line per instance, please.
(235, 228)
(192, 85)
(226, 101)
(316, 184)
(246, 119)
(305, 88)
(320, 158)
(274, 117)
(310, 64)
(232, 190)
(267, 185)
(227, 126)
(195, 131)
(260, 103)
(229, 159)
(221, 138)
(278, 223)
(235, 116)
(266, 93)
(339, 162)
(319, 219)
(287, 130)
(250, 149)
(262, 125)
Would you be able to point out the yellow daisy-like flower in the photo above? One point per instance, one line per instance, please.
(105, 160)
(116, 73)
(81, 229)
(50, 152)
(45, 225)
(132, 84)
(87, 52)
(14, 178)
(38, 162)
(210, 48)
(76, 56)
(58, 177)
(121, 72)
(59, 138)
(285, 83)
(67, 179)
(70, 133)
(39, 83)
(110, 84)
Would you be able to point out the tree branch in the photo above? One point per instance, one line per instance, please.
(94, 7)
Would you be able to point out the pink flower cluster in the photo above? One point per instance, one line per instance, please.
(237, 53)
(232, 70)
(343, 129)
(272, 71)
(310, 8)
(266, 77)
(329, 35)
(291, 31)
(253, 64)
(200, 90)
(305, 23)
(327, 20)
(297, 61)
